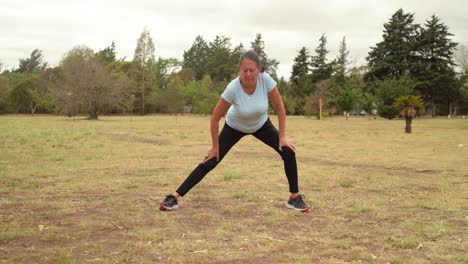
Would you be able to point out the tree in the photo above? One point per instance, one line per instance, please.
(196, 57)
(347, 100)
(323, 89)
(388, 90)
(300, 68)
(3, 93)
(435, 71)
(393, 56)
(463, 92)
(271, 65)
(462, 61)
(144, 63)
(368, 103)
(91, 87)
(33, 64)
(201, 95)
(301, 86)
(20, 97)
(107, 55)
(342, 62)
(461, 57)
(165, 68)
(171, 100)
(221, 65)
(407, 104)
(320, 68)
(26, 93)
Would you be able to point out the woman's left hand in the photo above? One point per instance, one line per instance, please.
(284, 142)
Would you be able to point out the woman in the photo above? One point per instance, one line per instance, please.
(246, 102)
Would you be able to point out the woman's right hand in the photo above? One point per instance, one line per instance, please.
(213, 152)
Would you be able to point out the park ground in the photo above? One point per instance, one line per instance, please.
(82, 191)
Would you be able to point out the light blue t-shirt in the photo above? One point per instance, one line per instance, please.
(248, 113)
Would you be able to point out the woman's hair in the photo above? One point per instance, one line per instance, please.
(253, 56)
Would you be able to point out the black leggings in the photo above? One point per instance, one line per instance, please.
(228, 137)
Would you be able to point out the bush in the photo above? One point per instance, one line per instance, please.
(388, 111)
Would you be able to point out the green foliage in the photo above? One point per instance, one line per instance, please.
(83, 84)
(393, 56)
(196, 57)
(201, 95)
(165, 68)
(320, 68)
(143, 72)
(171, 100)
(221, 63)
(27, 93)
(300, 68)
(20, 96)
(271, 65)
(107, 55)
(388, 90)
(407, 105)
(463, 93)
(3, 93)
(435, 73)
(347, 99)
(388, 111)
(409, 101)
(368, 102)
(342, 62)
(33, 64)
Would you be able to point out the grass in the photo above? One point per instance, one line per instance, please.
(88, 191)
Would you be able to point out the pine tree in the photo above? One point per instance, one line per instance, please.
(196, 57)
(144, 63)
(393, 56)
(107, 55)
(271, 65)
(320, 69)
(220, 62)
(300, 68)
(33, 64)
(435, 73)
(300, 80)
(342, 62)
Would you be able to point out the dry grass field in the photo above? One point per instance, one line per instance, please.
(80, 191)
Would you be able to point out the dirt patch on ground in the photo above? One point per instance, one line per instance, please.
(370, 166)
(138, 139)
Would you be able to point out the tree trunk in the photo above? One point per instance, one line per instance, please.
(143, 93)
(93, 114)
(408, 125)
(32, 108)
(433, 107)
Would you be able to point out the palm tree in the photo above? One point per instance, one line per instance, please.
(407, 104)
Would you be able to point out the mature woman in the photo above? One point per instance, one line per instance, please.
(246, 102)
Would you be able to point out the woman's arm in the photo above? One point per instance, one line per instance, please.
(219, 111)
(281, 112)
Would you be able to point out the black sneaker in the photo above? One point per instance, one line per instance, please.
(169, 204)
(297, 204)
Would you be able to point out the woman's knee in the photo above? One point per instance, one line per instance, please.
(209, 164)
(287, 153)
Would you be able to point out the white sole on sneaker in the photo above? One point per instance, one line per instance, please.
(165, 208)
(297, 209)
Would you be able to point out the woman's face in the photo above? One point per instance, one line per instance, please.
(248, 73)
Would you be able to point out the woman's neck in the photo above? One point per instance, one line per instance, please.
(248, 88)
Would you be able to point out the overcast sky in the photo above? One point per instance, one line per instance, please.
(56, 26)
